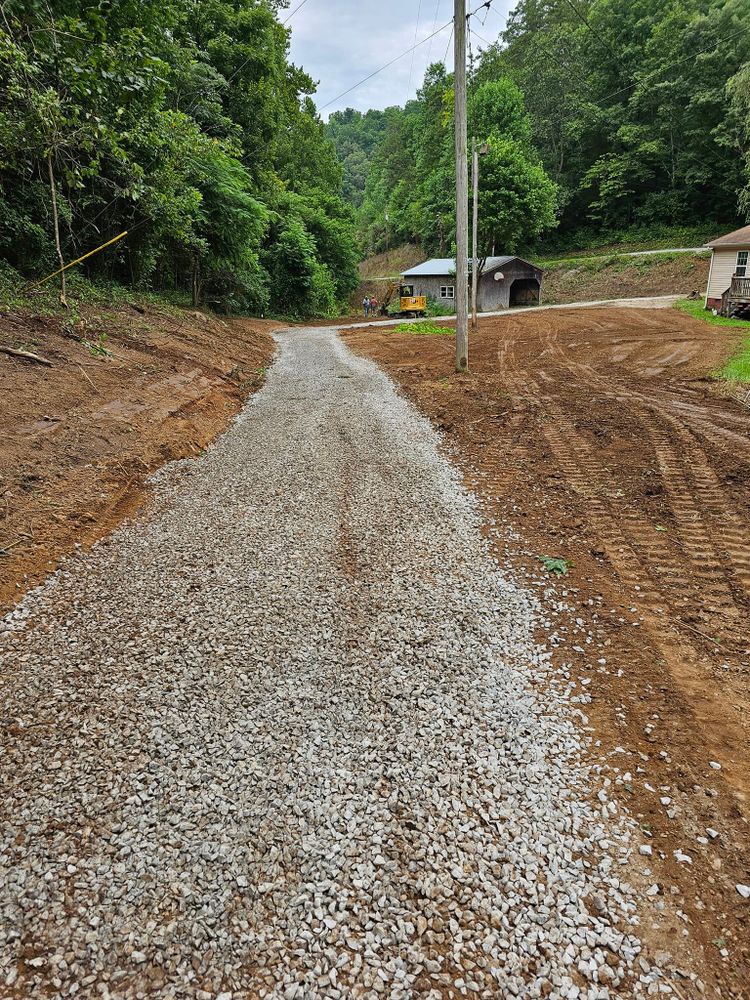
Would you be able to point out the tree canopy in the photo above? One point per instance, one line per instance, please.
(184, 122)
(598, 114)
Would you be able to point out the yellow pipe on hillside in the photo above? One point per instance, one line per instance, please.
(35, 284)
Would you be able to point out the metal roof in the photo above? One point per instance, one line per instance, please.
(440, 266)
(739, 238)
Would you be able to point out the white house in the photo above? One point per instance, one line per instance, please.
(729, 276)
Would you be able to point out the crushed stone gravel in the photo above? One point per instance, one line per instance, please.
(291, 735)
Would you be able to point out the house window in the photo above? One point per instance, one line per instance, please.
(741, 269)
(449, 291)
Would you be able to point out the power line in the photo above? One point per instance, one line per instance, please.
(382, 68)
(434, 26)
(677, 62)
(487, 4)
(288, 19)
(584, 20)
(416, 34)
(447, 47)
(480, 37)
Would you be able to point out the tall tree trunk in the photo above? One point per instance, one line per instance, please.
(55, 217)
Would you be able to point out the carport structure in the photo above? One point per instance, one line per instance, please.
(504, 282)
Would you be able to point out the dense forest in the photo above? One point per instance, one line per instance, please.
(599, 116)
(184, 122)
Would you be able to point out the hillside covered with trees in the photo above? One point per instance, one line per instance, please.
(183, 122)
(599, 115)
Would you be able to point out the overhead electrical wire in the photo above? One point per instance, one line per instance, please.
(414, 49)
(382, 68)
(434, 26)
(447, 47)
(290, 16)
(584, 20)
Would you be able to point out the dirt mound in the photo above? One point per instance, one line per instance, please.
(598, 436)
(80, 437)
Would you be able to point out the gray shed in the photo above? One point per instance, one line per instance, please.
(504, 282)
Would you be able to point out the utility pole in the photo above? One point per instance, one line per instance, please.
(475, 223)
(462, 189)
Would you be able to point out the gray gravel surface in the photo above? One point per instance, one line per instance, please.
(291, 735)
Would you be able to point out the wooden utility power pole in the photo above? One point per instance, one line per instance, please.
(462, 190)
(475, 223)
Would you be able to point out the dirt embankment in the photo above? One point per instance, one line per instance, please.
(596, 435)
(79, 438)
(624, 277)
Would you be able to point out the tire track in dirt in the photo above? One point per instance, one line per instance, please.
(637, 551)
(677, 470)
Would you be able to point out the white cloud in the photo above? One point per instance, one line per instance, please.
(339, 43)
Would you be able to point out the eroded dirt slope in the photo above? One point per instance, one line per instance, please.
(78, 439)
(623, 277)
(597, 435)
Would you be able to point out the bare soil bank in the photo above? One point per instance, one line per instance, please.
(78, 439)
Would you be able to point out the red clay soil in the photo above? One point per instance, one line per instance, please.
(79, 439)
(597, 436)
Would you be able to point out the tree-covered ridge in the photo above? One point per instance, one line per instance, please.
(184, 122)
(638, 112)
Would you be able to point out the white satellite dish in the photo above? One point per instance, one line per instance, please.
(499, 276)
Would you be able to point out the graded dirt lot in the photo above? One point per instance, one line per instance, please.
(597, 437)
(79, 439)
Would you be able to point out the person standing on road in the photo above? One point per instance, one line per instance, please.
(374, 306)
(366, 306)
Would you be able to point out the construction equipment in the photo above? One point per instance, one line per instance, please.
(409, 303)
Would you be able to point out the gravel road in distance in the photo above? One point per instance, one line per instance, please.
(291, 735)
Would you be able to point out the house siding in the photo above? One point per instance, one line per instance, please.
(723, 263)
(491, 295)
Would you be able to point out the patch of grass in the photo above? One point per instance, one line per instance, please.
(594, 263)
(694, 308)
(426, 329)
(98, 347)
(599, 241)
(44, 300)
(555, 565)
(737, 368)
(435, 308)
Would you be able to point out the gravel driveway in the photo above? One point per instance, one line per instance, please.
(291, 736)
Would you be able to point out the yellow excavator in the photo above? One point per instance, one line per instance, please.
(409, 303)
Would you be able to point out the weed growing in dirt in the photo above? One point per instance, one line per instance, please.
(556, 565)
(426, 329)
(97, 347)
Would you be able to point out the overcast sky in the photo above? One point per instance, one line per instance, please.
(339, 42)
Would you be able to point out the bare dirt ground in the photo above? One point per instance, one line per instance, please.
(624, 277)
(597, 436)
(79, 439)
